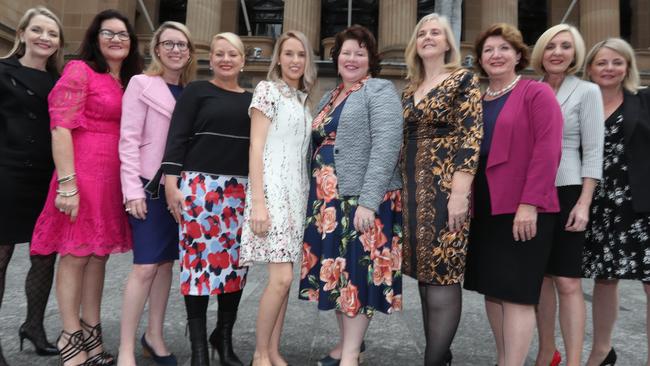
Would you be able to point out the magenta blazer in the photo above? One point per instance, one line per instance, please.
(525, 150)
(147, 108)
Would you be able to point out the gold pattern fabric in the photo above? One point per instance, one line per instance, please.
(442, 135)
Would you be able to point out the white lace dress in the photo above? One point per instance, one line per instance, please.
(286, 184)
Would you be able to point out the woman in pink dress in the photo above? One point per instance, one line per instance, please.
(83, 219)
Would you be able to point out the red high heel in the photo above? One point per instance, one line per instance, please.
(557, 358)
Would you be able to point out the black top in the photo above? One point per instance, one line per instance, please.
(25, 141)
(636, 127)
(209, 132)
(491, 110)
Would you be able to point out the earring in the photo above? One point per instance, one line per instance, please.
(241, 70)
(210, 68)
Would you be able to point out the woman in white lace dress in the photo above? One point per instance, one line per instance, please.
(278, 183)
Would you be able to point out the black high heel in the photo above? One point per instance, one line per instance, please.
(74, 347)
(610, 360)
(39, 341)
(448, 358)
(331, 361)
(221, 339)
(93, 341)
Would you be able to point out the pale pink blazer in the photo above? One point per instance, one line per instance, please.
(525, 151)
(147, 108)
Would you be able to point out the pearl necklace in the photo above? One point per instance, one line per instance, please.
(508, 87)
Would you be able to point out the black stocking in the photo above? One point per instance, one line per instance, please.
(6, 251)
(37, 288)
(229, 302)
(196, 306)
(441, 308)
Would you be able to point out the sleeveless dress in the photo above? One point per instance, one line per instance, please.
(617, 242)
(342, 269)
(90, 105)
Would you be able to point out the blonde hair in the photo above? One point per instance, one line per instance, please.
(414, 65)
(578, 44)
(231, 38)
(632, 81)
(156, 67)
(308, 79)
(55, 61)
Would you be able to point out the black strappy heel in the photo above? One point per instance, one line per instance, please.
(71, 349)
(93, 341)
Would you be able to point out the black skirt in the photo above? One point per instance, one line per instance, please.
(497, 265)
(22, 196)
(566, 251)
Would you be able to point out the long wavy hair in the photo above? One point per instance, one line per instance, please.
(632, 80)
(308, 79)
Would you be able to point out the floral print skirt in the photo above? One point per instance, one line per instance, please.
(210, 233)
(342, 269)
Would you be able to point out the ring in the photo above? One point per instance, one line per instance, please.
(128, 209)
(61, 210)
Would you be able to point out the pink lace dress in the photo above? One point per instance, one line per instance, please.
(89, 104)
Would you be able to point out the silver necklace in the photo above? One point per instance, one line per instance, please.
(490, 93)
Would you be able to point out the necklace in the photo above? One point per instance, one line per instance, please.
(508, 87)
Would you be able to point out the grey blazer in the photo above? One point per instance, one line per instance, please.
(368, 142)
(584, 129)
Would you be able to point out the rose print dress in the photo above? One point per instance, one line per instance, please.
(342, 269)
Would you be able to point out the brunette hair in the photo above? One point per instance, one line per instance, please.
(156, 67)
(365, 39)
(545, 39)
(510, 34)
(308, 79)
(90, 52)
(632, 81)
(55, 61)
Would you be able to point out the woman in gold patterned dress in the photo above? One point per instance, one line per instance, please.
(442, 137)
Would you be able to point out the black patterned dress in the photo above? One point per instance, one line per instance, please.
(618, 239)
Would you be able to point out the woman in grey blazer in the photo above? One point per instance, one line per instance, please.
(353, 240)
(557, 55)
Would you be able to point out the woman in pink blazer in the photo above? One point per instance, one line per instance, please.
(147, 108)
(515, 199)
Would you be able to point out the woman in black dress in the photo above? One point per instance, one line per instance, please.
(618, 240)
(27, 74)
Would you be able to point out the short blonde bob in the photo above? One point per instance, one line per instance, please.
(231, 38)
(414, 65)
(156, 67)
(632, 81)
(308, 79)
(54, 62)
(536, 59)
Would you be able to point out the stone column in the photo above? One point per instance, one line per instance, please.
(397, 19)
(204, 21)
(557, 9)
(599, 19)
(498, 11)
(641, 24)
(472, 20)
(304, 16)
(230, 16)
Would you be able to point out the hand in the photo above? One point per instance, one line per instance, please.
(578, 218)
(364, 219)
(260, 221)
(457, 208)
(175, 201)
(524, 226)
(68, 205)
(137, 208)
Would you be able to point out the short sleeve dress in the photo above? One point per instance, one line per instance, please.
(286, 184)
(90, 105)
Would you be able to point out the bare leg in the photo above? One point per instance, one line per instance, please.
(91, 296)
(271, 304)
(274, 345)
(136, 291)
(546, 322)
(572, 317)
(605, 311)
(518, 328)
(354, 330)
(69, 281)
(338, 349)
(158, 298)
(494, 310)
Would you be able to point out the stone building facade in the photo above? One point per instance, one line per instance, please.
(391, 20)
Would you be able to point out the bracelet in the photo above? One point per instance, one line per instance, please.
(67, 193)
(66, 179)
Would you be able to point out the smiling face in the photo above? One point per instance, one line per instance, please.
(293, 59)
(41, 37)
(559, 54)
(113, 48)
(498, 57)
(608, 68)
(353, 62)
(225, 60)
(431, 41)
(173, 59)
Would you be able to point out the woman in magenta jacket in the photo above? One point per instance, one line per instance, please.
(515, 199)
(148, 103)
